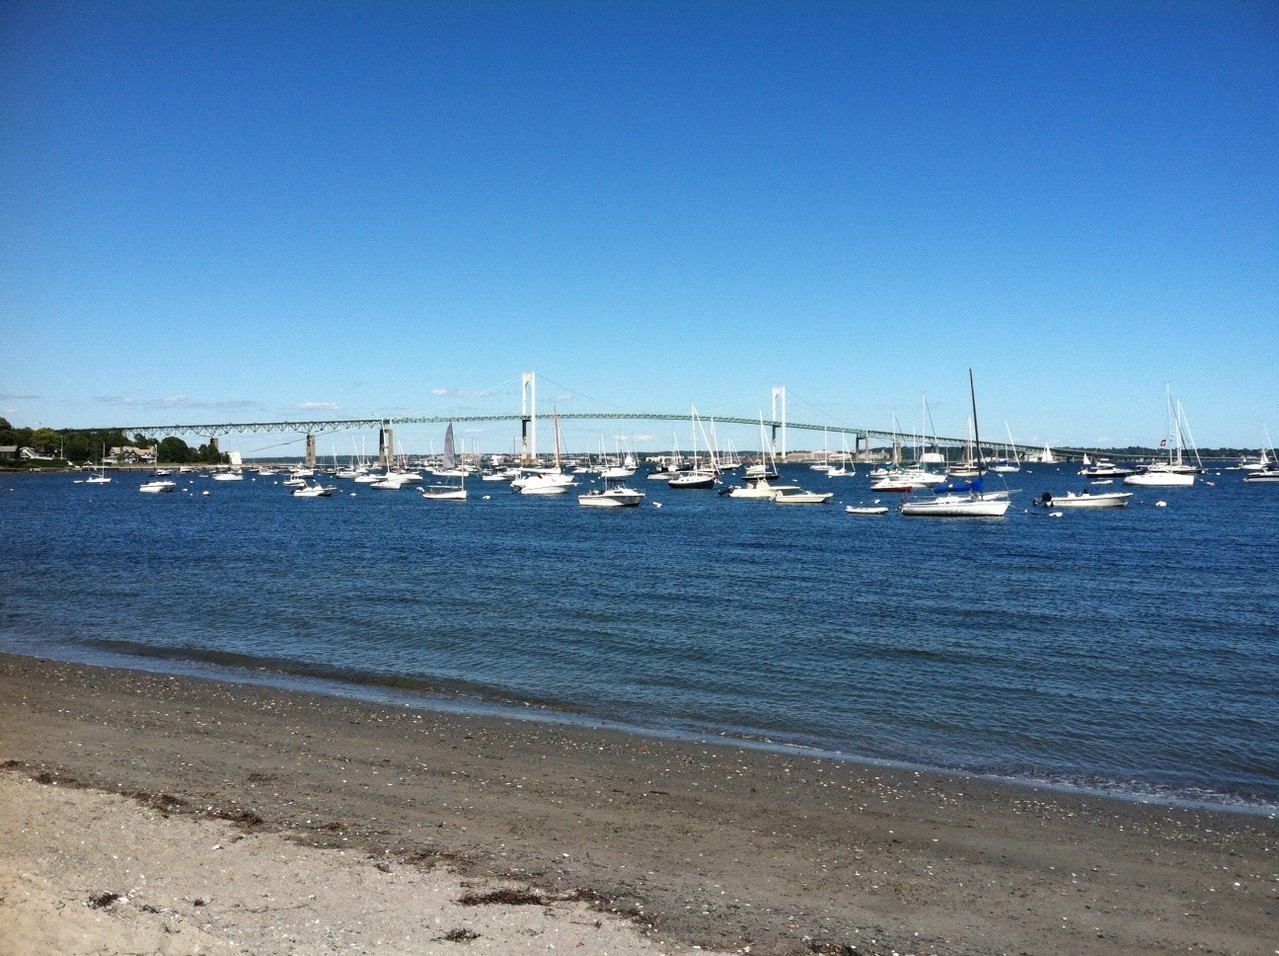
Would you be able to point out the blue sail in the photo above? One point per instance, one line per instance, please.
(976, 486)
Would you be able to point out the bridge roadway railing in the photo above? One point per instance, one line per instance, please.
(867, 436)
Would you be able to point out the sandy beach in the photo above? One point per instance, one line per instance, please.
(146, 813)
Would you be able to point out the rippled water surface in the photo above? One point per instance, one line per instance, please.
(1134, 651)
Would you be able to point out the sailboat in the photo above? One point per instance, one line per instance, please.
(100, 477)
(702, 476)
(845, 468)
(552, 482)
(1175, 472)
(447, 491)
(1010, 462)
(1265, 470)
(970, 500)
(760, 478)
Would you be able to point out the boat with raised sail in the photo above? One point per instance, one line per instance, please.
(447, 491)
(969, 501)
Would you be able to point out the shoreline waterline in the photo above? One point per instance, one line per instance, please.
(392, 692)
(703, 843)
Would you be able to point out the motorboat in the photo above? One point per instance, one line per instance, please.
(797, 496)
(1086, 499)
(1268, 476)
(543, 483)
(315, 490)
(761, 489)
(158, 486)
(907, 479)
(614, 494)
(1105, 468)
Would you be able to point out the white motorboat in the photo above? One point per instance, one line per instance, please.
(761, 489)
(1270, 476)
(866, 509)
(1103, 468)
(543, 483)
(315, 490)
(1086, 499)
(158, 486)
(614, 494)
(797, 496)
(228, 476)
(907, 479)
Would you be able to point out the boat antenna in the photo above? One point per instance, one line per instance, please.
(972, 391)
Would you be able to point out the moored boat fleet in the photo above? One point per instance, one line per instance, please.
(964, 489)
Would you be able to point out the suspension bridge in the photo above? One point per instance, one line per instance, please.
(778, 427)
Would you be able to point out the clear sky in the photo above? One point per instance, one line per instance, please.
(224, 211)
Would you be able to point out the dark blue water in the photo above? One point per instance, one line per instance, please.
(1131, 651)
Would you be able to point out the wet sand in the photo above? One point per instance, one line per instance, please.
(278, 822)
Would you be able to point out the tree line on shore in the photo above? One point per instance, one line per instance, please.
(78, 446)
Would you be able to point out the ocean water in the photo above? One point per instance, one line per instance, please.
(1130, 651)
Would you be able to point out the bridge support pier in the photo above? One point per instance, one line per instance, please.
(310, 451)
(386, 446)
(528, 419)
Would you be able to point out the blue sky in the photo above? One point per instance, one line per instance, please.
(272, 211)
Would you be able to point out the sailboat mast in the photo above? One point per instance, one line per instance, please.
(972, 391)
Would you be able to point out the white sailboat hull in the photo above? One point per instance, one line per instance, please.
(957, 506)
(1160, 479)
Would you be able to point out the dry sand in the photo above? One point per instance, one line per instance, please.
(152, 814)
